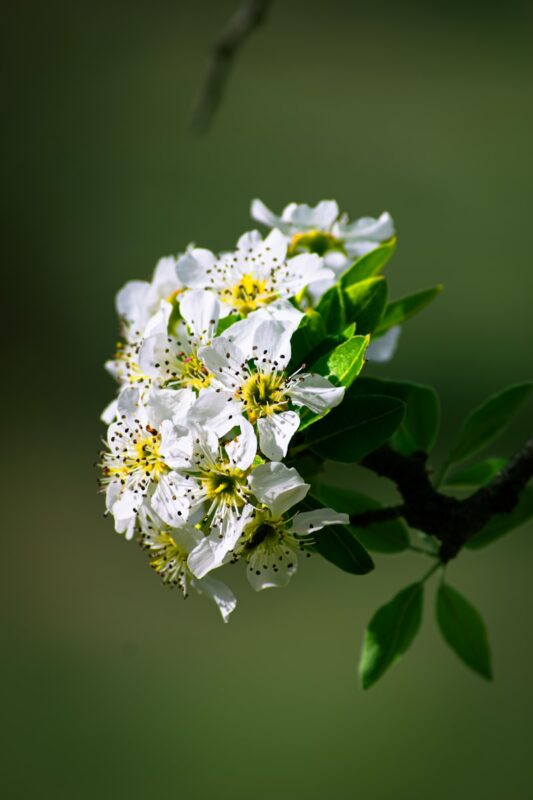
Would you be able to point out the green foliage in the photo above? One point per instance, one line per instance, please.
(420, 424)
(487, 421)
(332, 310)
(364, 303)
(504, 523)
(309, 334)
(339, 545)
(390, 633)
(344, 363)
(401, 310)
(368, 265)
(464, 630)
(355, 428)
(383, 537)
(476, 474)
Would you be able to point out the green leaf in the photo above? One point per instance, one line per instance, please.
(344, 363)
(420, 425)
(355, 428)
(401, 310)
(383, 537)
(364, 303)
(368, 265)
(332, 310)
(464, 630)
(339, 545)
(487, 421)
(476, 474)
(390, 633)
(309, 334)
(504, 523)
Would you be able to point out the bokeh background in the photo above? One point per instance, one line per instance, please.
(112, 686)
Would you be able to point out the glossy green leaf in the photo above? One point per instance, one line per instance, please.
(464, 630)
(345, 362)
(406, 307)
(420, 424)
(339, 545)
(331, 308)
(306, 338)
(504, 523)
(364, 303)
(487, 421)
(476, 474)
(390, 633)
(226, 322)
(356, 427)
(383, 537)
(368, 265)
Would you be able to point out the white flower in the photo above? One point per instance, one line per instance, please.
(144, 449)
(320, 230)
(254, 276)
(138, 302)
(249, 366)
(270, 544)
(273, 486)
(169, 549)
(171, 359)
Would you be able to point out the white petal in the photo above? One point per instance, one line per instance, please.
(193, 268)
(249, 241)
(261, 213)
(271, 344)
(315, 392)
(110, 412)
(212, 551)
(310, 521)
(271, 569)
(276, 432)
(300, 271)
(216, 410)
(219, 592)
(322, 216)
(383, 349)
(169, 404)
(168, 500)
(176, 444)
(224, 359)
(277, 487)
(200, 309)
(128, 401)
(130, 302)
(367, 228)
(242, 450)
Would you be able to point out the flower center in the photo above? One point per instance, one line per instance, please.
(248, 294)
(167, 558)
(193, 373)
(143, 458)
(263, 394)
(319, 242)
(226, 484)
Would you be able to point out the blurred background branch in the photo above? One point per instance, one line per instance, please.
(248, 17)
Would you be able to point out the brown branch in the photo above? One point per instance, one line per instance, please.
(448, 519)
(246, 19)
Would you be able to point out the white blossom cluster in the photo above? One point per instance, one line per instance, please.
(206, 407)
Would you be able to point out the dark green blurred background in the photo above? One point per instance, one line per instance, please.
(113, 687)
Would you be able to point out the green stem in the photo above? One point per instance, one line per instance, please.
(430, 572)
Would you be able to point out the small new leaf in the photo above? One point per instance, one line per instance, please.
(489, 420)
(401, 310)
(368, 265)
(390, 633)
(364, 303)
(464, 630)
(475, 474)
